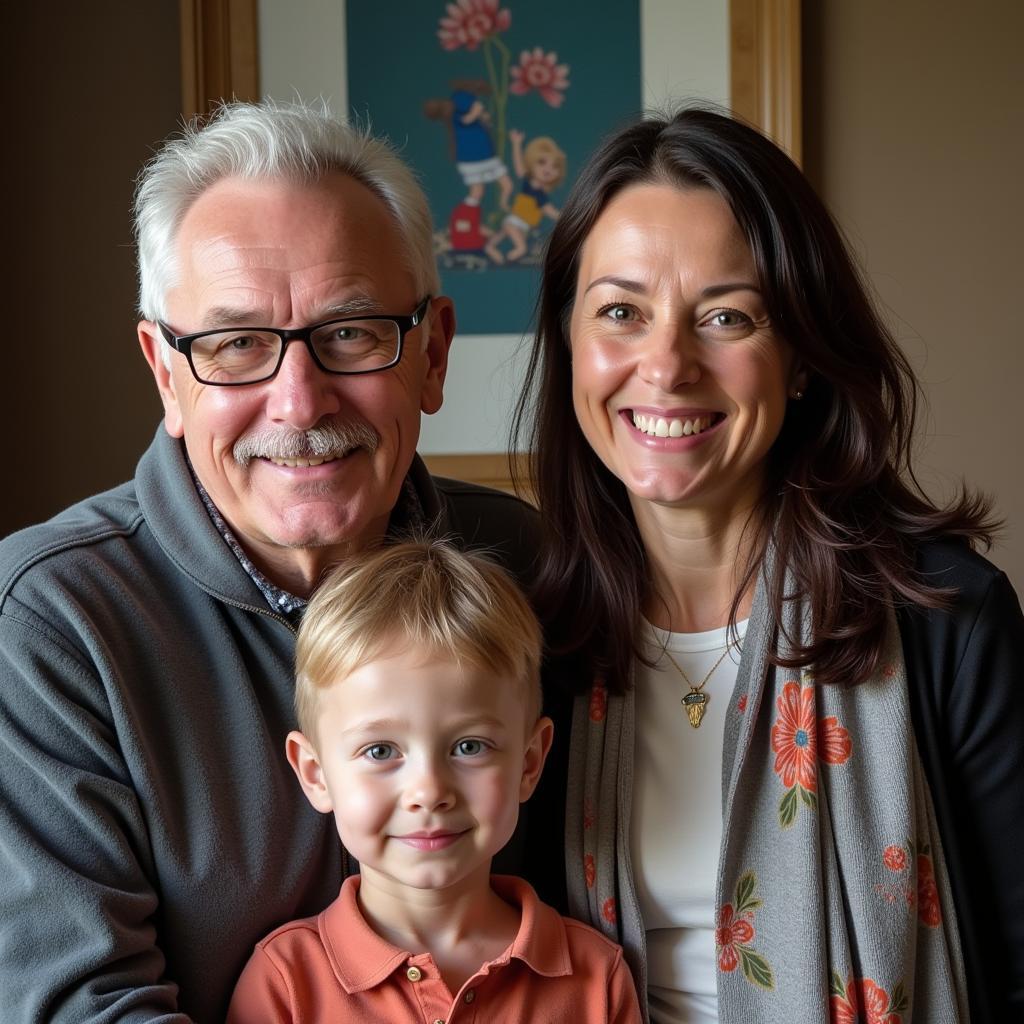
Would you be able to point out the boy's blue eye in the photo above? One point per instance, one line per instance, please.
(469, 748)
(380, 752)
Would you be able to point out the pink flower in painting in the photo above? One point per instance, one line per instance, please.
(469, 22)
(895, 858)
(541, 71)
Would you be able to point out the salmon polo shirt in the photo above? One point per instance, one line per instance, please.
(335, 968)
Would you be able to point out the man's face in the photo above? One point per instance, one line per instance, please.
(273, 254)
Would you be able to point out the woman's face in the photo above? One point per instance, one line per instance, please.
(679, 382)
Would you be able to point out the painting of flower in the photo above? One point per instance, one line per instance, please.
(495, 104)
(469, 22)
(541, 71)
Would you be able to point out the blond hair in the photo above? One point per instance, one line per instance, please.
(424, 594)
(544, 145)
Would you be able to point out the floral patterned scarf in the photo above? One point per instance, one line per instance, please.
(832, 893)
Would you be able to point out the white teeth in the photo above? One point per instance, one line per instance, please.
(657, 426)
(300, 463)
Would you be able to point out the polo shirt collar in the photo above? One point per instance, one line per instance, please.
(361, 959)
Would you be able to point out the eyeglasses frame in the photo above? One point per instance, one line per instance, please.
(183, 343)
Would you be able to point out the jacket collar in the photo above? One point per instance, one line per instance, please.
(190, 539)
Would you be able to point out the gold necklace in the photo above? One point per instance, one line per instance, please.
(696, 701)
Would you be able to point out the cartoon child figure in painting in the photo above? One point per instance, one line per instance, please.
(475, 158)
(541, 168)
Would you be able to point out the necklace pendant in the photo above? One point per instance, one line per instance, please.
(695, 703)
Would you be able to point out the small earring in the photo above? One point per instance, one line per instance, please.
(798, 394)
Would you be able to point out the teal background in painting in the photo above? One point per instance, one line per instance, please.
(395, 63)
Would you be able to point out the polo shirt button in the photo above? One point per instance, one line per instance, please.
(469, 996)
(414, 974)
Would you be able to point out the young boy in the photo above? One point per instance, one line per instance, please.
(418, 700)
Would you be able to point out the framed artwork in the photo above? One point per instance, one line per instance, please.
(494, 103)
(447, 79)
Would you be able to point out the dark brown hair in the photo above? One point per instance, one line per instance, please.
(841, 504)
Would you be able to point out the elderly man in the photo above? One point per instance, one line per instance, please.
(150, 828)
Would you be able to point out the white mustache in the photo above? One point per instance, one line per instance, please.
(326, 440)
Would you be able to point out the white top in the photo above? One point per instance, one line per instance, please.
(676, 821)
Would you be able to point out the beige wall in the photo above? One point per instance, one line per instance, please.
(914, 134)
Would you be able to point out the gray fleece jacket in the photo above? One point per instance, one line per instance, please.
(151, 830)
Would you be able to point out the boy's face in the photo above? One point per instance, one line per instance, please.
(424, 764)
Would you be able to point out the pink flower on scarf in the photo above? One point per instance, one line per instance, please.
(589, 870)
(732, 931)
(895, 858)
(798, 739)
(735, 933)
(608, 911)
(795, 737)
(598, 703)
(865, 1002)
(929, 911)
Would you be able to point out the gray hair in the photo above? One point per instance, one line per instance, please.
(291, 142)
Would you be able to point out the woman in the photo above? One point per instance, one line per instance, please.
(794, 777)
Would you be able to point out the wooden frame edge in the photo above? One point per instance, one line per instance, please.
(220, 59)
(219, 53)
(765, 81)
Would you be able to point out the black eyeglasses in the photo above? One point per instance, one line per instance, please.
(249, 355)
